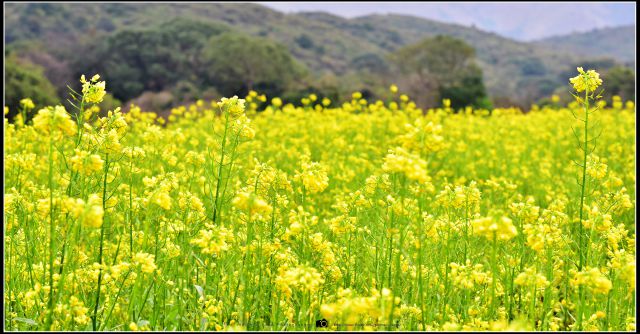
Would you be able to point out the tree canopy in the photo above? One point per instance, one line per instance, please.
(238, 63)
(620, 81)
(25, 80)
(134, 61)
(442, 67)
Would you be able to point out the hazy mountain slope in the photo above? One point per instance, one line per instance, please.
(617, 42)
(509, 66)
(323, 42)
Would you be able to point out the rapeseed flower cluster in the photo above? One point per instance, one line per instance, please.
(93, 90)
(401, 161)
(589, 80)
(55, 121)
(491, 228)
(313, 176)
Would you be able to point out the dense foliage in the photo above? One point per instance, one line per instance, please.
(442, 67)
(237, 63)
(621, 82)
(149, 59)
(26, 80)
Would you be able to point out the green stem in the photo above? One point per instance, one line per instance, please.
(584, 178)
(219, 177)
(10, 272)
(582, 198)
(24, 115)
(494, 277)
(51, 232)
(94, 318)
(131, 208)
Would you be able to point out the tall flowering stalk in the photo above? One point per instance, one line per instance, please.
(233, 110)
(55, 123)
(107, 141)
(586, 82)
(112, 129)
(27, 105)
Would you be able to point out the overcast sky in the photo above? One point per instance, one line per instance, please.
(518, 20)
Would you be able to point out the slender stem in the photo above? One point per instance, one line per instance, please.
(230, 169)
(51, 232)
(582, 198)
(131, 208)
(80, 120)
(10, 272)
(116, 299)
(219, 177)
(584, 177)
(104, 204)
(24, 115)
(494, 278)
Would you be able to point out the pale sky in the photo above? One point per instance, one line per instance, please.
(523, 21)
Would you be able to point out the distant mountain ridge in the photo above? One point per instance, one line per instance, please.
(325, 43)
(615, 42)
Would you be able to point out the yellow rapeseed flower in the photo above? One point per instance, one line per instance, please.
(55, 119)
(234, 106)
(589, 80)
(276, 102)
(313, 175)
(27, 103)
(399, 160)
(488, 227)
(93, 91)
(145, 261)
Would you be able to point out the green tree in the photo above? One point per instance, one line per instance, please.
(470, 91)
(438, 67)
(304, 41)
(238, 63)
(370, 62)
(25, 80)
(134, 61)
(620, 81)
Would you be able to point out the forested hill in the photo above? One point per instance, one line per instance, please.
(346, 53)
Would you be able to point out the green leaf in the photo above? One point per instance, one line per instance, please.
(26, 321)
(200, 290)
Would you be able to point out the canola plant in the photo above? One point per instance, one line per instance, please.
(252, 214)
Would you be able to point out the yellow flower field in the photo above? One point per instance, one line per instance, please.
(252, 214)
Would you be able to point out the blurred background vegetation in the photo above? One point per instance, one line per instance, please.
(163, 55)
